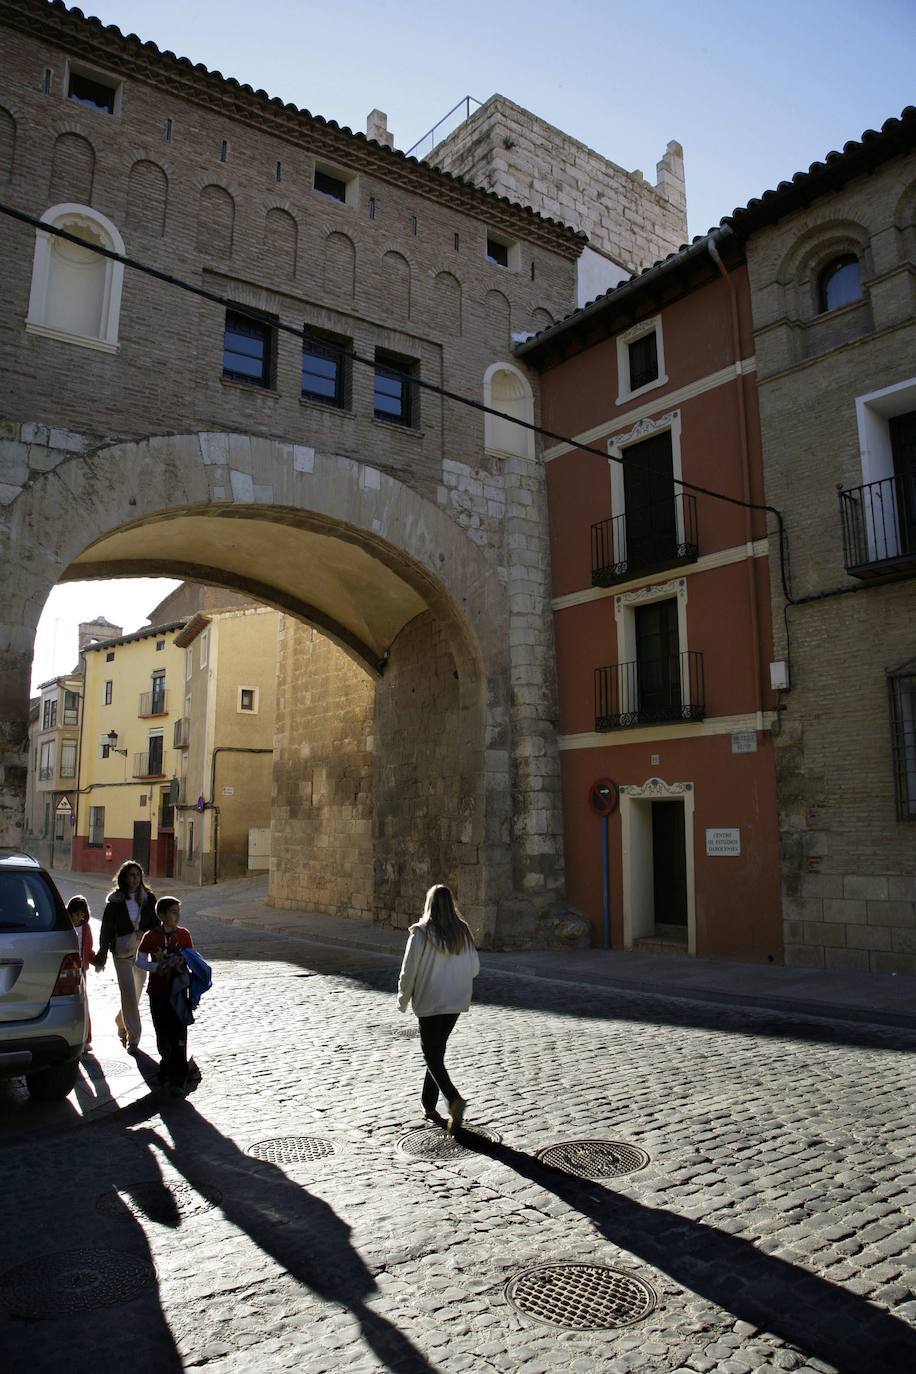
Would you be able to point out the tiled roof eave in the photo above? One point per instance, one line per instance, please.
(108, 47)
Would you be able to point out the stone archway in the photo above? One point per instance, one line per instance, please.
(338, 544)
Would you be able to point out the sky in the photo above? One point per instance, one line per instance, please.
(754, 90)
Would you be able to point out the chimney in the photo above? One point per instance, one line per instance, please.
(377, 128)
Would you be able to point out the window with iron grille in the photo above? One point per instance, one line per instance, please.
(902, 688)
(247, 349)
(324, 369)
(96, 827)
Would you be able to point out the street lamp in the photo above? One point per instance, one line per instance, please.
(112, 738)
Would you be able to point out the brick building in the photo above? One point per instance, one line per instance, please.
(662, 615)
(150, 431)
(832, 265)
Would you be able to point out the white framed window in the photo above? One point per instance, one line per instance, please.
(640, 360)
(627, 604)
(881, 508)
(76, 293)
(46, 764)
(68, 758)
(188, 662)
(248, 700)
(204, 648)
(625, 447)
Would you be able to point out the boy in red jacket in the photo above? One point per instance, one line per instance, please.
(160, 954)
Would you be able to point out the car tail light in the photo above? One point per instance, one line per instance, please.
(68, 979)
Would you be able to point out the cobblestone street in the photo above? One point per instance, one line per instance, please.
(773, 1226)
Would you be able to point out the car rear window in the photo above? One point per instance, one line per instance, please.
(27, 903)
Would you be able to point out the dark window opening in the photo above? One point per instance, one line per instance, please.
(109, 658)
(393, 395)
(96, 827)
(85, 91)
(372, 207)
(498, 253)
(324, 371)
(160, 644)
(108, 690)
(167, 131)
(643, 355)
(413, 224)
(46, 82)
(902, 685)
(246, 350)
(840, 283)
(330, 186)
(457, 243)
(278, 171)
(246, 702)
(223, 151)
(155, 755)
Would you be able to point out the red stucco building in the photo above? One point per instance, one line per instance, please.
(662, 609)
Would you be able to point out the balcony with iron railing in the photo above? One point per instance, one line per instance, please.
(153, 704)
(646, 540)
(650, 692)
(45, 773)
(148, 765)
(181, 733)
(879, 528)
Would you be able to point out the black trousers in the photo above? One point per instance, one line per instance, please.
(434, 1034)
(171, 1041)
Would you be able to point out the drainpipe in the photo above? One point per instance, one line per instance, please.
(744, 443)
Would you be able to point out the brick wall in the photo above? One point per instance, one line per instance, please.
(848, 863)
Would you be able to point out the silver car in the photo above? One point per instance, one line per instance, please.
(43, 1010)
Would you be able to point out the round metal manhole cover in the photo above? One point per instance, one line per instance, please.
(107, 1068)
(432, 1142)
(73, 1281)
(291, 1149)
(580, 1297)
(165, 1203)
(594, 1158)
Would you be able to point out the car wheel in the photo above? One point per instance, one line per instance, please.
(54, 1084)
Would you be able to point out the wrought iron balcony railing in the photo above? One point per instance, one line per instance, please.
(650, 692)
(645, 540)
(148, 766)
(879, 527)
(181, 733)
(45, 773)
(153, 704)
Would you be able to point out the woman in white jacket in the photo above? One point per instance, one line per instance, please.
(437, 976)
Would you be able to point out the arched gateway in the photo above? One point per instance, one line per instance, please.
(377, 569)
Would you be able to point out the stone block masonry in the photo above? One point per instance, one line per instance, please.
(507, 149)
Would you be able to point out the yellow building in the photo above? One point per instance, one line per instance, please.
(225, 736)
(125, 804)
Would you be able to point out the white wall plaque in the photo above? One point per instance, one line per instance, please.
(228, 791)
(744, 742)
(723, 843)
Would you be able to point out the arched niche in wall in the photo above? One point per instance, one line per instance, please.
(76, 293)
(7, 144)
(540, 319)
(339, 266)
(281, 240)
(72, 170)
(497, 321)
(215, 222)
(396, 284)
(147, 198)
(447, 303)
(507, 389)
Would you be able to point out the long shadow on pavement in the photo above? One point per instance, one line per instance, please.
(822, 1319)
(299, 1231)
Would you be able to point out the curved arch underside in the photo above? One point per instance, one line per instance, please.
(327, 580)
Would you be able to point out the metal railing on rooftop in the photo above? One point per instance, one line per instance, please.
(439, 131)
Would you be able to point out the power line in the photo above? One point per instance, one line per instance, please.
(303, 333)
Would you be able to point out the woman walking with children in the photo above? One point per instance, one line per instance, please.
(129, 912)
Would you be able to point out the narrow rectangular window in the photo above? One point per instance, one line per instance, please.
(497, 253)
(643, 354)
(46, 82)
(457, 242)
(393, 395)
(96, 94)
(167, 131)
(68, 759)
(324, 370)
(223, 151)
(109, 688)
(413, 224)
(204, 647)
(328, 185)
(278, 172)
(96, 827)
(372, 207)
(190, 839)
(246, 350)
(902, 685)
(188, 663)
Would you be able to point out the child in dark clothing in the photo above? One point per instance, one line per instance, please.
(160, 955)
(78, 911)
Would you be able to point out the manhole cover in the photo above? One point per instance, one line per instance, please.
(580, 1297)
(73, 1281)
(291, 1149)
(594, 1158)
(106, 1068)
(162, 1202)
(432, 1142)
